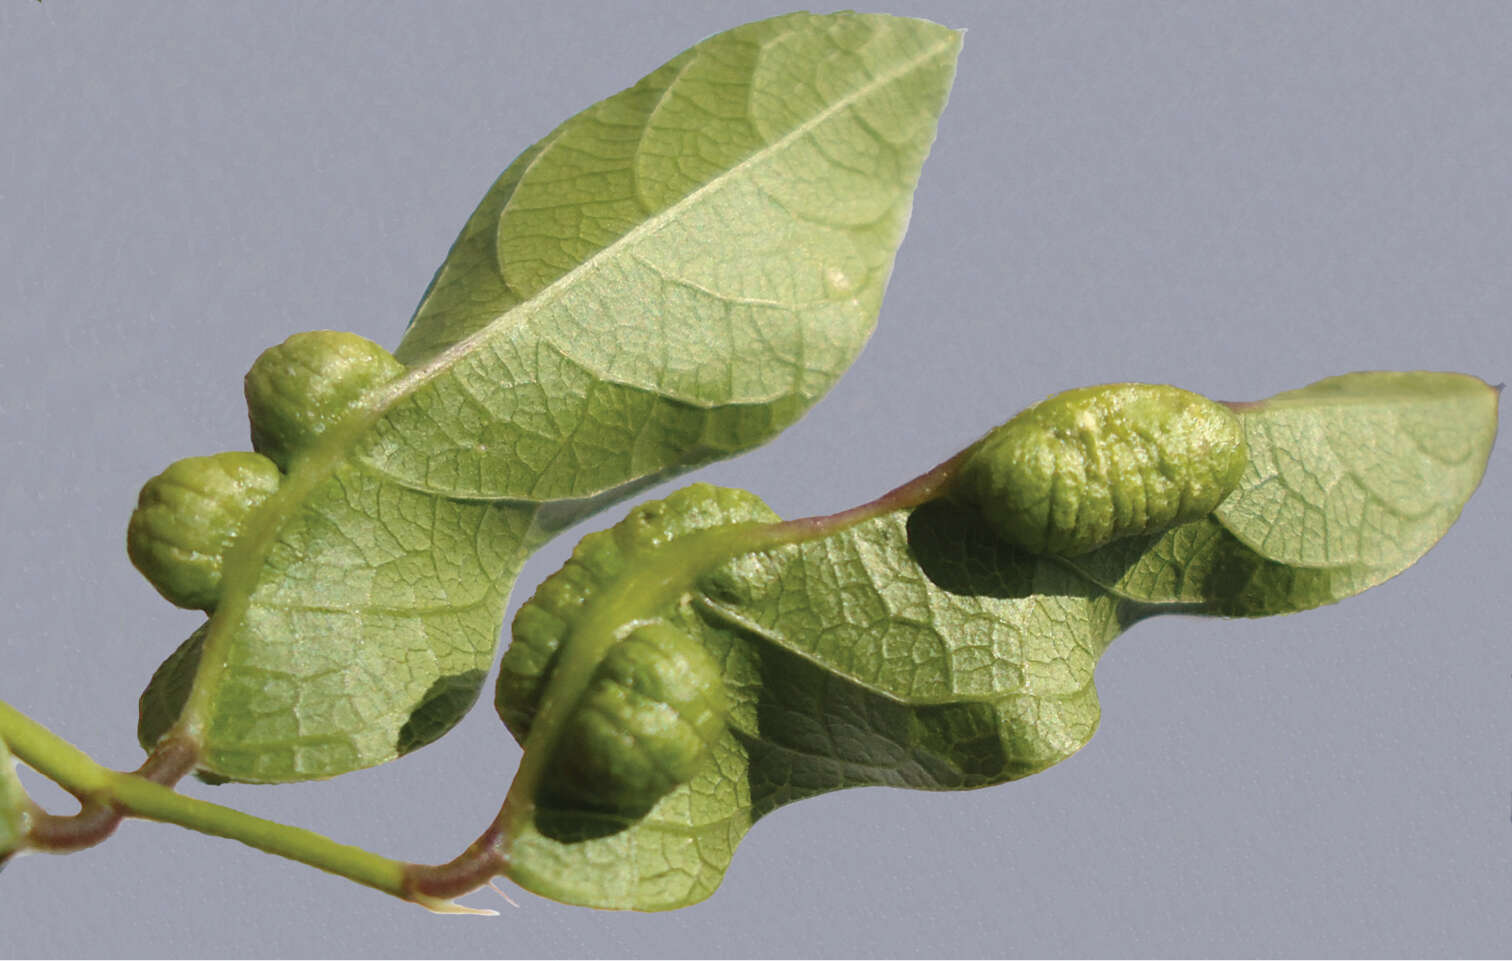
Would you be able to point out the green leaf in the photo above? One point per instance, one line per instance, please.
(912, 650)
(672, 276)
(1350, 481)
(1202, 568)
(1365, 469)
(916, 649)
(168, 691)
(14, 806)
(678, 272)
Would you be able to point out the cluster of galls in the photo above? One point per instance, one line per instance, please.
(648, 719)
(188, 517)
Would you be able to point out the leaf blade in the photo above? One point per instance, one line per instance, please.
(915, 650)
(704, 354)
(814, 638)
(349, 630)
(1363, 469)
(1429, 438)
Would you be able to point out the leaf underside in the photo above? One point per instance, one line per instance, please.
(916, 650)
(1350, 480)
(674, 275)
(845, 668)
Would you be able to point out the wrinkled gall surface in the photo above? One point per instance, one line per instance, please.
(301, 388)
(649, 717)
(913, 650)
(187, 518)
(589, 333)
(1096, 464)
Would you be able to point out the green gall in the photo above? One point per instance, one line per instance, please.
(640, 717)
(188, 516)
(651, 714)
(14, 807)
(1092, 465)
(301, 388)
(546, 621)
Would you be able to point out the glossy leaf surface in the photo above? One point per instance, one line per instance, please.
(673, 275)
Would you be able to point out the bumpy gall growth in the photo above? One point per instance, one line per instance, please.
(1091, 465)
(299, 389)
(545, 623)
(656, 703)
(188, 516)
(652, 712)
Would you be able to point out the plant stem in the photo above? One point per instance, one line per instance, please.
(166, 765)
(685, 559)
(108, 796)
(926, 487)
(137, 796)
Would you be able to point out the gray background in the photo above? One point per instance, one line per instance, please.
(1236, 198)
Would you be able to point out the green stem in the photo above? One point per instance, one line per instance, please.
(166, 765)
(137, 796)
(107, 795)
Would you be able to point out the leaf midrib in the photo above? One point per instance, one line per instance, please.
(521, 313)
(245, 559)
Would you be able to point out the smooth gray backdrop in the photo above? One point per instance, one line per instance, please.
(1236, 198)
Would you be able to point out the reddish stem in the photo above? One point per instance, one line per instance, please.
(926, 487)
(485, 858)
(168, 763)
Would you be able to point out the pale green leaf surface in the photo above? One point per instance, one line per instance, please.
(685, 266)
(1178, 566)
(1350, 481)
(845, 668)
(1365, 469)
(917, 650)
(1202, 568)
(368, 633)
(673, 275)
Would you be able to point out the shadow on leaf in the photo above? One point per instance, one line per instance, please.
(443, 705)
